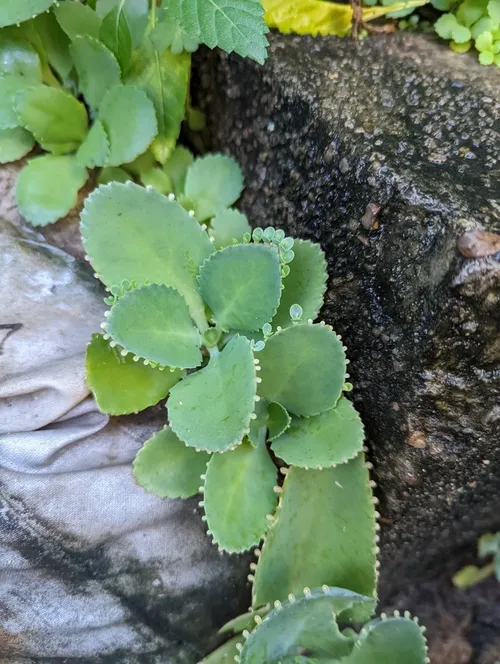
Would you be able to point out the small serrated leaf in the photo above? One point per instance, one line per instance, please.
(228, 225)
(97, 68)
(242, 285)
(113, 174)
(213, 183)
(15, 12)
(169, 33)
(14, 144)
(135, 11)
(238, 495)
(18, 57)
(94, 151)
(168, 468)
(226, 388)
(39, 201)
(154, 323)
(278, 420)
(115, 34)
(120, 385)
(77, 19)
(176, 167)
(10, 86)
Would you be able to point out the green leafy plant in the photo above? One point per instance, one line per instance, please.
(102, 84)
(488, 546)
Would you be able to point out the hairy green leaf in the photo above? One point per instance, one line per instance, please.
(159, 241)
(303, 369)
(323, 440)
(55, 42)
(18, 57)
(225, 654)
(226, 388)
(213, 183)
(120, 385)
(113, 174)
(228, 225)
(98, 69)
(242, 284)
(233, 25)
(21, 10)
(54, 117)
(169, 32)
(238, 494)
(115, 34)
(324, 533)
(154, 323)
(94, 151)
(39, 201)
(14, 144)
(278, 420)
(168, 468)
(77, 19)
(305, 285)
(10, 86)
(135, 11)
(176, 167)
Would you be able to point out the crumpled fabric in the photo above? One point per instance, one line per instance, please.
(92, 568)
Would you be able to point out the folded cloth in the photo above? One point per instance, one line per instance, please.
(92, 568)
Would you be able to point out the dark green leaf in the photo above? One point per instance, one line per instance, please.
(16, 11)
(115, 34)
(56, 43)
(135, 11)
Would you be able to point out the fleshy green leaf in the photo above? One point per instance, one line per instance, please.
(278, 420)
(15, 12)
(120, 385)
(98, 69)
(305, 285)
(484, 42)
(135, 11)
(113, 174)
(238, 495)
(77, 19)
(258, 425)
(164, 77)
(115, 34)
(494, 10)
(225, 654)
(14, 144)
(158, 179)
(323, 440)
(228, 225)
(226, 388)
(242, 284)
(159, 241)
(55, 42)
(245, 621)
(442, 5)
(55, 118)
(303, 369)
(169, 33)
(176, 167)
(213, 183)
(470, 11)
(168, 468)
(39, 201)
(94, 151)
(154, 323)
(10, 86)
(233, 25)
(324, 533)
(445, 25)
(18, 57)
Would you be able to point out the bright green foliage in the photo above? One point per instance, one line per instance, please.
(14, 144)
(258, 425)
(170, 33)
(278, 420)
(213, 183)
(97, 68)
(158, 179)
(21, 10)
(122, 385)
(94, 151)
(303, 368)
(113, 174)
(226, 388)
(77, 19)
(324, 440)
(55, 43)
(10, 86)
(228, 226)
(448, 27)
(153, 322)
(135, 12)
(168, 468)
(115, 34)
(245, 621)
(305, 285)
(488, 48)
(176, 168)
(238, 494)
(18, 57)
(225, 654)
(241, 284)
(39, 201)
(470, 575)
(335, 502)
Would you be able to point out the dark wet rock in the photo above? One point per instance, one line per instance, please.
(328, 132)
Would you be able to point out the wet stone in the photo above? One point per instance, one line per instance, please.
(386, 152)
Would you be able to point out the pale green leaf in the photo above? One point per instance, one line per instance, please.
(55, 42)
(158, 179)
(323, 440)
(77, 19)
(10, 86)
(242, 284)
(113, 174)
(120, 385)
(168, 468)
(324, 533)
(225, 654)
(135, 11)
(115, 34)
(55, 118)
(18, 57)
(141, 164)
(278, 420)
(39, 201)
(14, 144)
(169, 33)
(258, 425)
(16, 11)
(226, 388)
(154, 323)
(94, 151)
(238, 494)
(176, 167)
(303, 369)
(228, 225)
(213, 183)
(97, 68)
(159, 241)
(445, 25)
(128, 117)
(494, 10)
(245, 621)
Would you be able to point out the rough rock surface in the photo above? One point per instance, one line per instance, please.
(328, 132)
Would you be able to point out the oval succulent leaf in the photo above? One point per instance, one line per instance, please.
(245, 621)
(19, 58)
(303, 369)
(135, 11)
(12, 13)
(14, 144)
(227, 226)
(226, 653)
(55, 42)
(226, 388)
(114, 32)
(238, 495)
(305, 285)
(120, 385)
(242, 285)
(158, 241)
(323, 440)
(258, 425)
(39, 201)
(213, 183)
(94, 151)
(154, 323)
(168, 468)
(176, 167)
(10, 86)
(337, 503)
(77, 19)
(278, 420)
(97, 68)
